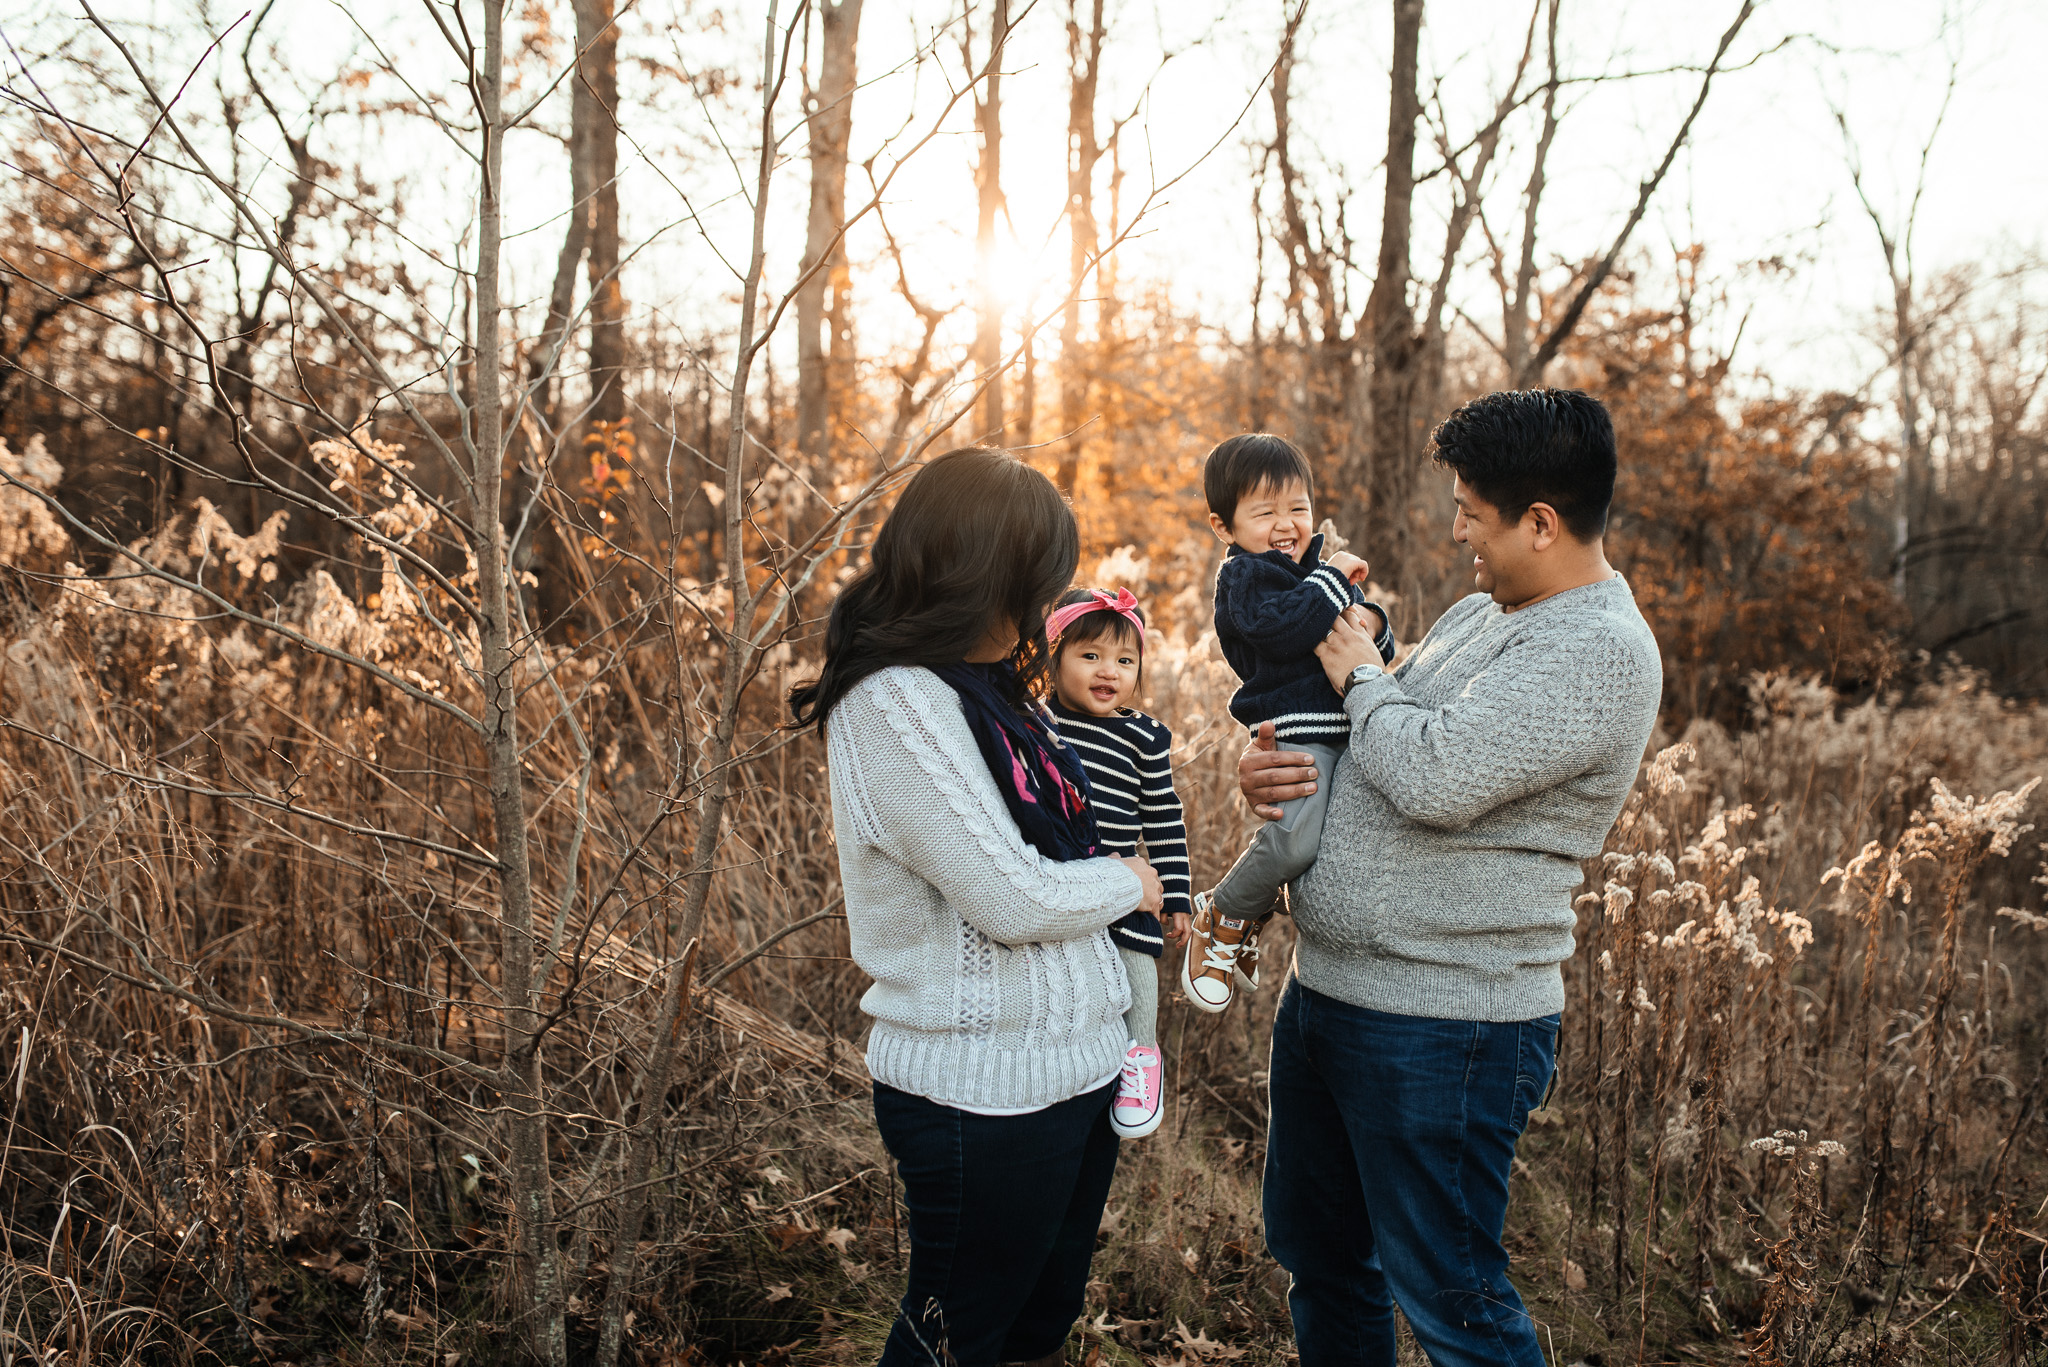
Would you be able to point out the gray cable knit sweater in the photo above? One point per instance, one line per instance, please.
(996, 985)
(1479, 774)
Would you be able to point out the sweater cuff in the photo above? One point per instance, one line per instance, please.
(1333, 584)
(1384, 642)
(1368, 694)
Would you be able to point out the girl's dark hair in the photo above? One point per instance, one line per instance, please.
(1094, 626)
(1247, 461)
(976, 538)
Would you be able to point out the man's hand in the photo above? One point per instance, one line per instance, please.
(1349, 565)
(1154, 896)
(1348, 646)
(1269, 776)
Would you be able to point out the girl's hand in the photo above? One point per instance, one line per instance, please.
(1154, 896)
(1350, 566)
(1177, 928)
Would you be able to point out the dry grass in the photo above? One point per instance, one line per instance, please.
(183, 1186)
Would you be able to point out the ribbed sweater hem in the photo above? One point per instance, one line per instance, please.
(1437, 991)
(963, 1070)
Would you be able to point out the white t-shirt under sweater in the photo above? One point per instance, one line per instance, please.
(996, 985)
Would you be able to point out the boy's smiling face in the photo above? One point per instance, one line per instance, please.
(1270, 517)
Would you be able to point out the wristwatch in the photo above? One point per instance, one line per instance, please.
(1359, 676)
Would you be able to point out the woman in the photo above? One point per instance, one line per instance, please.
(975, 901)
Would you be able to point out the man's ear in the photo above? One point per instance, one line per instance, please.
(1545, 526)
(1221, 528)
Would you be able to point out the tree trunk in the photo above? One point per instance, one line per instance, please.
(1084, 67)
(597, 82)
(1315, 304)
(525, 1104)
(988, 184)
(824, 328)
(544, 361)
(1515, 320)
(1387, 461)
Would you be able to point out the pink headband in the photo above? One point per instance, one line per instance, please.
(1099, 600)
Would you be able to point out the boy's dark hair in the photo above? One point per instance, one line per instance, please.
(1243, 463)
(1090, 627)
(1523, 446)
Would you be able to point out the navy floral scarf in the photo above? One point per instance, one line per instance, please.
(1040, 778)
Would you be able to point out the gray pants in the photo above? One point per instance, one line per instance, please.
(1282, 850)
(1142, 1020)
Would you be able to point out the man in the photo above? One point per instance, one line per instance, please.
(1419, 1027)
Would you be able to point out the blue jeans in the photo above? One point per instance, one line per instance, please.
(1387, 1164)
(1003, 1214)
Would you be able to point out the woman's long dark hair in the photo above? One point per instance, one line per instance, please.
(977, 538)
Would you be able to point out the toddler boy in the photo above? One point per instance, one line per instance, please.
(1276, 599)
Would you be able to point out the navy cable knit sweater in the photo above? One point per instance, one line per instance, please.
(1272, 612)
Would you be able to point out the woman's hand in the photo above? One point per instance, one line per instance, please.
(1269, 776)
(1154, 896)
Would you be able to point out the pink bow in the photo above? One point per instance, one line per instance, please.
(1099, 600)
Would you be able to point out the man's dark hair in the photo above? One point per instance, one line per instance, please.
(1524, 446)
(1244, 463)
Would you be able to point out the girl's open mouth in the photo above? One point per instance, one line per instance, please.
(1101, 694)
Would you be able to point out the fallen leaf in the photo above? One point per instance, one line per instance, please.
(787, 1237)
(774, 1177)
(780, 1291)
(1574, 1276)
(1203, 1347)
(839, 1238)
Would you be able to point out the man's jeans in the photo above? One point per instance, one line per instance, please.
(1003, 1214)
(1387, 1179)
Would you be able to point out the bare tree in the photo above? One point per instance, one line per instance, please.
(1909, 325)
(988, 189)
(824, 318)
(1084, 150)
(596, 141)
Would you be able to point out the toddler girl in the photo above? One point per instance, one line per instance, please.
(1098, 641)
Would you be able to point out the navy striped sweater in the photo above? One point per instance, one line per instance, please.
(1272, 611)
(1130, 780)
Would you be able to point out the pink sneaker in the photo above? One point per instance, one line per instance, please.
(1139, 1104)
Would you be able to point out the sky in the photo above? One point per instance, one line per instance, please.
(1763, 182)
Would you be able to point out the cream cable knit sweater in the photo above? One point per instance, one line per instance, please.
(996, 985)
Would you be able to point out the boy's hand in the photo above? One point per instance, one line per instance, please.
(1350, 566)
(1177, 928)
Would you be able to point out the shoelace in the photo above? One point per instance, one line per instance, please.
(1220, 956)
(1132, 1084)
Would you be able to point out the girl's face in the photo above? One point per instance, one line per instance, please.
(1097, 677)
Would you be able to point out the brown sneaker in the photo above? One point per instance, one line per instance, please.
(1208, 974)
(1246, 969)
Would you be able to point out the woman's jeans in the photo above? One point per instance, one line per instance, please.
(1003, 1214)
(1387, 1179)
